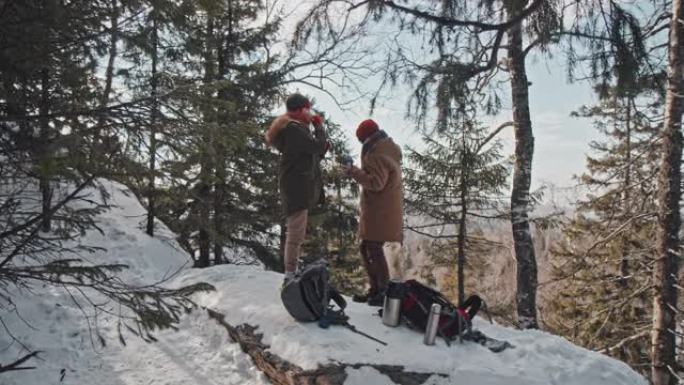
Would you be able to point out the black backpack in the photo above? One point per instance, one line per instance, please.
(415, 310)
(307, 296)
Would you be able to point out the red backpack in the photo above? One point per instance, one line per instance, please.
(415, 310)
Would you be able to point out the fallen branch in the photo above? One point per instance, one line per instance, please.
(622, 343)
(282, 372)
(16, 365)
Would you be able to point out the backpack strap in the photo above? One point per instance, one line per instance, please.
(331, 316)
(334, 295)
(311, 297)
(453, 318)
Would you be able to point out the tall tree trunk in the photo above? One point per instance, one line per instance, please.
(225, 56)
(669, 216)
(151, 196)
(219, 197)
(45, 156)
(109, 79)
(522, 175)
(462, 231)
(204, 190)
(204, 235)
(624, 261)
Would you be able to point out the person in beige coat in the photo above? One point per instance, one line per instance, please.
(381, 207)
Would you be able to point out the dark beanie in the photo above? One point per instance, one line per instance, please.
(295, 102)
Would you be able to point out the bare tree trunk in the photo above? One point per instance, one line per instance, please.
(522, 175)
(109, 77)
(151, 196)
(669, 216)
(204, 190)
(204, 236)
(462, 231)
(624, 261)
(45, 155)
(114, 38)
(224, 58)
(219, 197)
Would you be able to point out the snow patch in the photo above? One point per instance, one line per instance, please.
(252, 296)
(201, 353)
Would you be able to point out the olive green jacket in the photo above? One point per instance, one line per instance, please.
(300, 178)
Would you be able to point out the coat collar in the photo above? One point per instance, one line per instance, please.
(372, 140)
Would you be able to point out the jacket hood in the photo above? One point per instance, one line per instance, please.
(276, 126)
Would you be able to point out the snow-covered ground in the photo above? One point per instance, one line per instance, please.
(201, 353)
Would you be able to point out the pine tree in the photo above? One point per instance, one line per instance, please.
(604, 263)
(47, 63)
(221, 186)
(457, 181)
(148, 69)
(54, 112)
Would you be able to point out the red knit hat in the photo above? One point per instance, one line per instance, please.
(366, 128)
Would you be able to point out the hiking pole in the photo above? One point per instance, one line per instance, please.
(355, 330)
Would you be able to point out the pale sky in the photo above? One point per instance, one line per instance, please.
(561, 141)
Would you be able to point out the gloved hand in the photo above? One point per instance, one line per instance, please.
(317, 120)
(346, 161)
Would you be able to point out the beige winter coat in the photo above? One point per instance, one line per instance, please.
(382, 197)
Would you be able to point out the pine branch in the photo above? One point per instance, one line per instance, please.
(618, 231)
(451, 22)
(35, 220)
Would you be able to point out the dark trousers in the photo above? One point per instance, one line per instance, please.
(376, 266)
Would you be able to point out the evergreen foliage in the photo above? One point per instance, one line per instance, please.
(604, 263)
(170, 98)
(457, 183)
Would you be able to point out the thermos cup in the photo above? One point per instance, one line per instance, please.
(432, 324)
(391, 309)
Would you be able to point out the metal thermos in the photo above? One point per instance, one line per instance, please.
(432, 324)
(391, 309)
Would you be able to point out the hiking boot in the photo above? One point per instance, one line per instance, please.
(376, 300)
(362, 298)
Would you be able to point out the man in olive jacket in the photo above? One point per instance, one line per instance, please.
(300, 179)
(381, 207)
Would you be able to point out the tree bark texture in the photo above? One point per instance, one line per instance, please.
(669, 217)
(526, 296)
